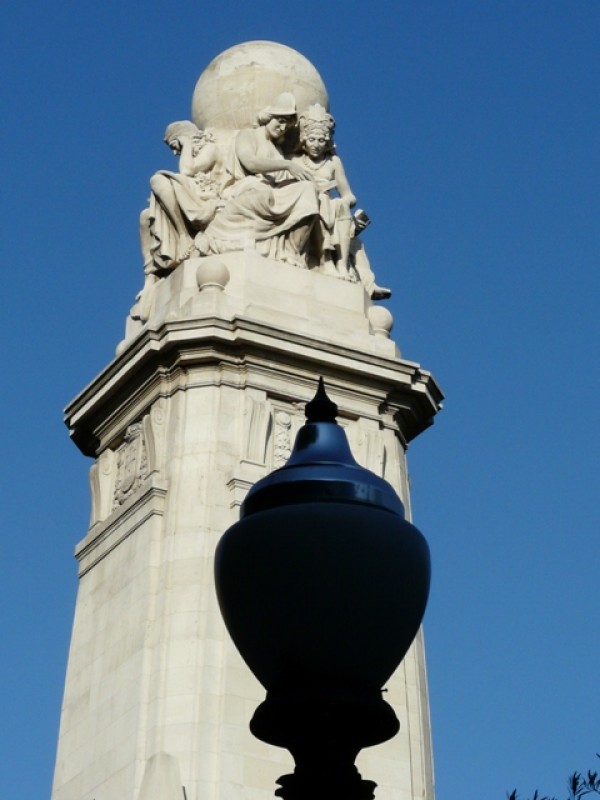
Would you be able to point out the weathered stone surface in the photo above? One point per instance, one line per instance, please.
(240, 81)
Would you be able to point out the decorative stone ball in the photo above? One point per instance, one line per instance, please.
(243, 80)
(381, 320)
(211, 274)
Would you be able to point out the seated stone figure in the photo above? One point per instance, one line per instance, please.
(271, 203)
(316, 128)
(180, 205)
(338, 251)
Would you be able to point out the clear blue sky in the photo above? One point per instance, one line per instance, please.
(471, 134)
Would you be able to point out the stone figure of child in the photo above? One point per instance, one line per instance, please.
(339, 252)
(316, 128)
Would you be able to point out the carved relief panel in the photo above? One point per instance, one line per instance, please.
(270, 427)
(131, 463)
(120, 472)
(366, 443)
(282, 438)
(257, 427)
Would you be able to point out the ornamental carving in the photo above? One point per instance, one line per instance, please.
(282, 439)
(132, 463)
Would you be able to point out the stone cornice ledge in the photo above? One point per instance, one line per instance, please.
(181, 344)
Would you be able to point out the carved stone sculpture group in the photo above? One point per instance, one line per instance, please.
(278, 188)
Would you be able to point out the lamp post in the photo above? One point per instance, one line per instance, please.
(323, 585)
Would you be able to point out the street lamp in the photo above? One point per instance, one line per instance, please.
(323, 585)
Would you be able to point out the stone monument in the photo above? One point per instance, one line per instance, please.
(256, 282)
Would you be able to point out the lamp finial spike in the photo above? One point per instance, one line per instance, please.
(321, 408)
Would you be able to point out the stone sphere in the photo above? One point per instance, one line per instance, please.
(381, 320)
(211, 274)
(243, 80)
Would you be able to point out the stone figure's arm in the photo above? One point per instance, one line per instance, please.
(203, 161)
(342, 182)
(245, 149)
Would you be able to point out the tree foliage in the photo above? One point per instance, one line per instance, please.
(579, 786)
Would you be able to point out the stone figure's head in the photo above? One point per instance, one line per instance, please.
(316, 131)
(279, 116)
(177, 131)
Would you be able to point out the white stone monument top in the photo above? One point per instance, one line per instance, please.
(241, 81)
(258, 174)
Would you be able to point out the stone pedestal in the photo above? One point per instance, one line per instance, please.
(200, 402)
